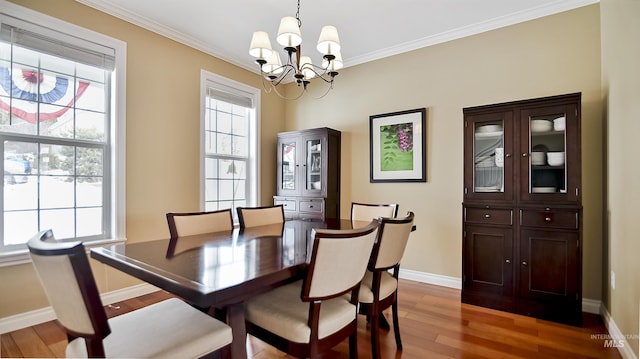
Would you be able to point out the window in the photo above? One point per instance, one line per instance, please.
(229, 143)
(58, 131)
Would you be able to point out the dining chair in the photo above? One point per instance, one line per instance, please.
(368, 211)
(168, 329)
(191, 223)
(312, 315)
(259, 216)
(379, 288)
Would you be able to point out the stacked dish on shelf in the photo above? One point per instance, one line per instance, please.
(489, 130)
(541, 125)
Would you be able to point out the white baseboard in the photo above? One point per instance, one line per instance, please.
(430, 278)
(23, 320)
(614, 332)
(591, 305)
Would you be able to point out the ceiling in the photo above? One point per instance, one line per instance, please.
(368, 29)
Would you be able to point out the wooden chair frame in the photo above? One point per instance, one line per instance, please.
(173, 229)
(242, 210)
(316, 346)
(374, 310)
(372, 205)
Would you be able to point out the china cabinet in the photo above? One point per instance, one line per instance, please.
(522, 212)
(309, 173)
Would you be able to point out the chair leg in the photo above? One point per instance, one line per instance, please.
(375, 333)
(353, 345)
(396, 324)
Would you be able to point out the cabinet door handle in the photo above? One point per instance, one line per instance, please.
(487, 216)
(547, 219)
(507, 155)
(524, 155)
(508, 260)
(524, 263)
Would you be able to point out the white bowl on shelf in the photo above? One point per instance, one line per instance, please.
(555, 158)
(489, 128)
(543, 189)
(541, 125)
(538, 158)
(559, 124)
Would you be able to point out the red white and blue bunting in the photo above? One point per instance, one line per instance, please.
(31, 87)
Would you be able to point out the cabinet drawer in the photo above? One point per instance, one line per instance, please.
(311, 205)
(567, 219)
(287, 203)
(489, 216)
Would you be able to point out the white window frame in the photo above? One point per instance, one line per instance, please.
(118, 123)
(209, 79)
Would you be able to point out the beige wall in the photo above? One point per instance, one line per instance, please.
(163, 104)
(621, 94)
(553, 55)
(549, 56)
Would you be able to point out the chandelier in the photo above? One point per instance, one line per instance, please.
(298, 68)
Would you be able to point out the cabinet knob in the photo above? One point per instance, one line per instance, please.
(524, 155)
(547, 219)
(524, 263)
(487, 216)
(507, 155)
(508, 260)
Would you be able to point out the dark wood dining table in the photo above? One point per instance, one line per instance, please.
(223, 269)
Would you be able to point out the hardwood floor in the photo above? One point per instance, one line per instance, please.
(433, 323)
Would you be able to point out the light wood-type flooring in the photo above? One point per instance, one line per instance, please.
(433, 324)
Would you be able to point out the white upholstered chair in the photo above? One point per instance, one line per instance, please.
(260, 216)
(365, 212)
(311, 316)
(379, 289)
(168, 329)
(192, 223)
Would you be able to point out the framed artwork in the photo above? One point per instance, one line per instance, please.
(398, 146)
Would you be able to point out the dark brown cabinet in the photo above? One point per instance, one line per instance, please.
(522, 212)
(309, 173)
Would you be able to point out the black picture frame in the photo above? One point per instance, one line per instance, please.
(398, 148)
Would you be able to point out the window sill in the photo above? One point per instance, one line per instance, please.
(22, 256)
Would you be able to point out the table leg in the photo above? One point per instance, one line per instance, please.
(235, 319)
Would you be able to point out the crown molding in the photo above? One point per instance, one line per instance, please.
(474, 29)
(458, 33)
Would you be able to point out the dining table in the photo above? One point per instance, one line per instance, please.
(219, 271)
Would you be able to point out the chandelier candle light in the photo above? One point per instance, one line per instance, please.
(300, 68)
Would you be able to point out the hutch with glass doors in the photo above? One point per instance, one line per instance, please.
(522, 212)
(309, 173)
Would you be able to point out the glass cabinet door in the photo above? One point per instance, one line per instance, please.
(288, 154)
(313, 164)
(490, 156)
(545, 154)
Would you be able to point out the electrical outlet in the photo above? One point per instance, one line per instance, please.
(613, 280)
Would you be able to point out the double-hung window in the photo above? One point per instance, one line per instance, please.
(58, 133)
(229, 143)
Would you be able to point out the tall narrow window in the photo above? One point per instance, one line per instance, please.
(229, 144)
(56, 134)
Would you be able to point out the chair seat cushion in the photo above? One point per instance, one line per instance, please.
(168, 329)
(388, 285)
(282, 312)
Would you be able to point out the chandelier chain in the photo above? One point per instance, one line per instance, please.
(298, 15)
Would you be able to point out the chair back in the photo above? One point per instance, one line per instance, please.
(393, 236)
(67, 279)
(260, 216)
(338, 261)
(193, 223)
(368, 211)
